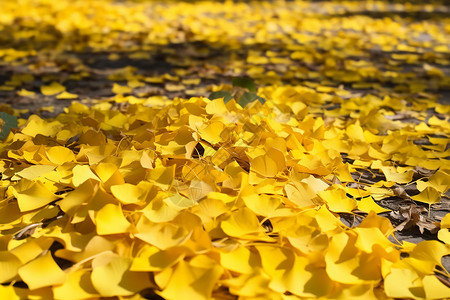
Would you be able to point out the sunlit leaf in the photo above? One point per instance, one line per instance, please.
(77, 286)
(241, 223)
(32, 194)
(428, 195)
(43, 271)
(52, 89)
(191, 281)
(134, 190)
(115, 278)
(110, 220)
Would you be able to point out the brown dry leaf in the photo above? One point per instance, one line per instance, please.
(413, 217)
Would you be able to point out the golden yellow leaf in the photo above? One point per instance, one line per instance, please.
(121, 89)
(35, 125)
(440, 181)
(428, 195)
(109, 174)
(241, 223)
(241, 260)
(41, 272)
(35, 171)
(367, 204)
(66, 95)
(393, 174)
(161, 235)
(52, 89)
(128, 193)
(288, 273)
(162, 176)
(270, 164)
(255, 284)
(404, 283)
(346, 264)
(115, 278)
(151, 258)
(25, 93)
(110, 220)
(434, 288)
(337, 201)
(191, 281)
(60, 155)
(9, 265)
(31, 249)
(72, 200)
(77, 286)
(32, 194)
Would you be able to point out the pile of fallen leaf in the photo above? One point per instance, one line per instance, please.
(198, 198)
(297, 190)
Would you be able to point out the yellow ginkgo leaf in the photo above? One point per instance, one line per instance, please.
(121, 89)
(270, 164)
(444, 235)
(115, 278)
(337, 201)
(128, 193)
(66, 95)
(32, 194)
(35, 171)
(161, 235)
(43, 271)
(162, 176)
(81, 173)
(77, 286)
(444, 232)
(355, 132)
(425, 257)
(159, 211)
(8, 292)
(151, 258)
(434, 288)
(29, 250)
(240, 260)
(134, 84)
(303, 191)
(59, 155)
(404, 283)
(73, 199)
(255, 284)
(291, 273)
(212, 132)
(52, 89)
(394, 175)
(110, 220)
(428, 195)
(35, 125)
(242, 223)
(179, 202)
(440, 181)
(109, 174)
(346, 264)
(25, 93)
(216, 106)
(191, 282)
(263, 205)
(367, 204)
(369, 238)
(9, 264)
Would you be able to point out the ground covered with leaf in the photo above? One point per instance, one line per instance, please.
(140, 161)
